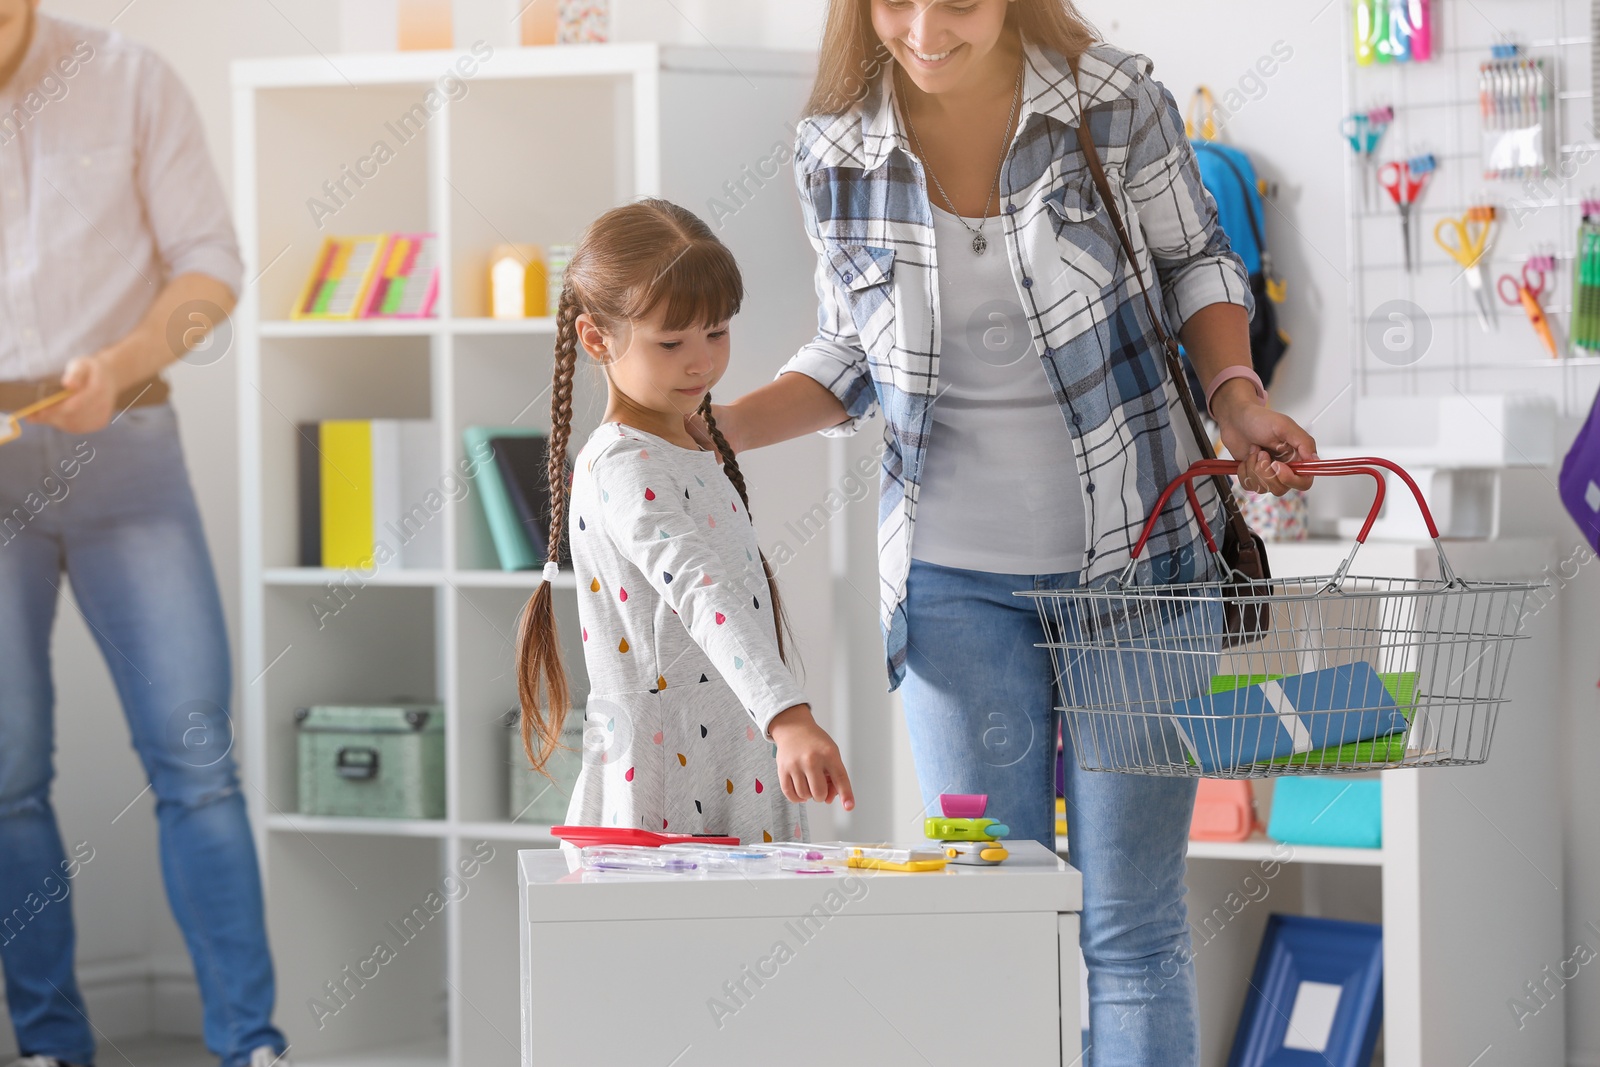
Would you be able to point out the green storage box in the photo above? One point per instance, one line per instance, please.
(534, 799)
(378, 762)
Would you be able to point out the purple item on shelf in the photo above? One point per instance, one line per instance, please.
(1580, 478)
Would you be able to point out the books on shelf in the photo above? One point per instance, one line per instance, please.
(515, 492)
(376, 276)
(369, 494)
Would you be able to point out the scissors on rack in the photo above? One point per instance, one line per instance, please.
(1467, 241)
(1526, 291)
(1365, 132)
(1404, 182)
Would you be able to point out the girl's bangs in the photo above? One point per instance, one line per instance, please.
(699, 286)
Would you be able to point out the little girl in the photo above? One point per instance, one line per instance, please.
(694, 723)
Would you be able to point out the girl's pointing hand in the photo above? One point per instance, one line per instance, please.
(809, 764)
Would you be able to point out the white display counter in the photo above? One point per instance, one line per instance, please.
(862, 966)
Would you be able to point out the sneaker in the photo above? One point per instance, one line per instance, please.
(42, 1061)
(266, 1057)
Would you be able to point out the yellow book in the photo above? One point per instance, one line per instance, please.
(347, 534)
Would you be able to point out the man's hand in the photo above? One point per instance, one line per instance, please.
(809, 764)
(1262, 440)
(93, 402)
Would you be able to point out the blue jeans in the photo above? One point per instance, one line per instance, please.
(980, 703)
(113, 510)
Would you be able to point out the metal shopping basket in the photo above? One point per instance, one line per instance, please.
(1350, 674)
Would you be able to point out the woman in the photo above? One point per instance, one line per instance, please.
(974, 291)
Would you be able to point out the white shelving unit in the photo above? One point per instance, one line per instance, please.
(541, 142)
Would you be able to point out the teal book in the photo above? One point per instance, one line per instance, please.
(506, 529)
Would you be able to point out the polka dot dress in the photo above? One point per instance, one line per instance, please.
(680, 644)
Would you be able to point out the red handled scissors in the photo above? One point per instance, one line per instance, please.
(1404, 182)
(1527, 292)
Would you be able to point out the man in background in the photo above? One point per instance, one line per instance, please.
(116, 258)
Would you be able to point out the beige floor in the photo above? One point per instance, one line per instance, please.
(154, 1052)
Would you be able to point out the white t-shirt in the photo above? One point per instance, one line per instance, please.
(1000, 491)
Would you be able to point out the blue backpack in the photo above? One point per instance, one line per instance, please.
(1230, 178)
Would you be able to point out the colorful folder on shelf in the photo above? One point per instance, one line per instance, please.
(341, 281)
(407, 285)
(368, 494)
(1283, 718)
(523, 464)
(384, 275)
(346, 493)
(512, 545)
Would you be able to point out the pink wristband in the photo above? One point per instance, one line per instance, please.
(1228, 375)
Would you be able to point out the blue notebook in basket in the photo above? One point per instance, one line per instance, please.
(1285, 716)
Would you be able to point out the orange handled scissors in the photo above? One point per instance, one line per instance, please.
(11, 427)
(1527, 292)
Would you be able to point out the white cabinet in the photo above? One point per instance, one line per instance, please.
(952, 967)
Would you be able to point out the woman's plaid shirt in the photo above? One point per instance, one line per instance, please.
(864, 197)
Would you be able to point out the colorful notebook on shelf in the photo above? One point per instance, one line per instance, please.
(523, 466)
(514, 547)
(368, 494)
(382, 276)
(407, 285)
(341, 281)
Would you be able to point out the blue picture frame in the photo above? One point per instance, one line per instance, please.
(1324, 975)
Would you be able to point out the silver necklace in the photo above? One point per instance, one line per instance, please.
(979, 241)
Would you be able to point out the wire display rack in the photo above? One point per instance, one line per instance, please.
(1438, 111)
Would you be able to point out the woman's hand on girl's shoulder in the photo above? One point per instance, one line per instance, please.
(727, 425)
(809, 764)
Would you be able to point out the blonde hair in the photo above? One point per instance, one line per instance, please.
(852, 57)
(631, 261)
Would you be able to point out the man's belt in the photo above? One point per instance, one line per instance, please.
(20, 393)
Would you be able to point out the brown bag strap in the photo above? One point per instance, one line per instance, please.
(1091, 155)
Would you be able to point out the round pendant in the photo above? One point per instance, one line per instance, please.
(979, 243)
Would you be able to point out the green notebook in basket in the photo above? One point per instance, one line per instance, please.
(1391, 749)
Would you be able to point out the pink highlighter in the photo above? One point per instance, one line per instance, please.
(963, 805)
(1420, 15)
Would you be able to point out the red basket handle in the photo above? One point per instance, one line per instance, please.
(1371, 465)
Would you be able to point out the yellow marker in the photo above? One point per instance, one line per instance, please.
(889, 858)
